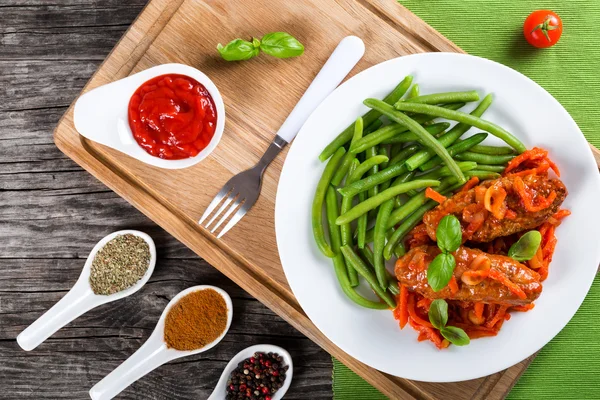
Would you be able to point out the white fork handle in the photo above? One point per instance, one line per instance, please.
(342, 60)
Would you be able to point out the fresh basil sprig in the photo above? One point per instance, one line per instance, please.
(449, 238)
(281, 45)
(438, 316)
(277, 44)
(526, 247)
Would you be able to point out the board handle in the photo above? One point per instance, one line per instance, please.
(342, 60)
(596, 154)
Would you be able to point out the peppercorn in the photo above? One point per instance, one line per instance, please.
(256, 378)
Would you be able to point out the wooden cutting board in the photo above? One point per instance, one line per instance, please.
(258, 96)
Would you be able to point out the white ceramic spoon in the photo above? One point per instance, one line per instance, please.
(153, 353)
(101, 114)
(220, 390)
(81, 298)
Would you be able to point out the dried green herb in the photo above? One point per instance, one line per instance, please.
(119, 264)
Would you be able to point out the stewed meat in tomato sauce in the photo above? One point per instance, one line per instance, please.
(480, 277)
(501, 207)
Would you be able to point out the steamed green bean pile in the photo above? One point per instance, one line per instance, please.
(373, 185)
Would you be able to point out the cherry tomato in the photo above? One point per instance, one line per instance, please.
(542, 28)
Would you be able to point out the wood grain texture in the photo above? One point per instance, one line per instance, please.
(247, 254)
(52, 212)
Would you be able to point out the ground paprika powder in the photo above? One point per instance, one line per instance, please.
(196, 320)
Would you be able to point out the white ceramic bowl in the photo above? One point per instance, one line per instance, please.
(101, 115)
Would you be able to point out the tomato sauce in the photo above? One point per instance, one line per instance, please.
(172, 116)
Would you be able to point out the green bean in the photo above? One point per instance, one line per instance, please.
(458, 147)
(482, 174)
(407, 176)
(370, 153)
(357, 263)
(348, 157)
(357, 170)
(414, 91)
(459, 116)
(492, 168)
(379, 240)
(317, 205)
(441, 98)
(412, 221)
(493, 150)
(418, 130)
(415, 202)
(368, 118)
(404, 136)
(375, 201)
(484, 158)
(392, 287)
(376, 137)
(361, 224)
(340, 272)
(366, 165)
(404, 154)
(379, 235)
(372, 180)
(345, 229)
(383, 151)
(445, 171)
(406, 226)
(450, 137)
(373, 127)
(339, 264)
(396, 148)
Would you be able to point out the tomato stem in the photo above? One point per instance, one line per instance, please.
(545, 27)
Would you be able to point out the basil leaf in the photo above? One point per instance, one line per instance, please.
(281, 45)
(438, 313)
(440, 271)
(238, 50)
(449, 234)
(526, 246)
(455, 335)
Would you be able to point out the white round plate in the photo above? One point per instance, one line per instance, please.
(373, 337)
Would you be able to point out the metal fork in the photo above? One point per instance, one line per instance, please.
(241, 191)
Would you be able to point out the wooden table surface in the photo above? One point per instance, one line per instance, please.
(52, 213)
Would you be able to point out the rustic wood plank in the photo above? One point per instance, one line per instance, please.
(90, 347)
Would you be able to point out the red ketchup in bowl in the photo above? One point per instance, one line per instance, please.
(172, 116)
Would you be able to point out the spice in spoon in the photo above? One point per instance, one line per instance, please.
(119, 264)
(257, 377)
(196, 320)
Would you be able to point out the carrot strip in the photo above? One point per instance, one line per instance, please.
(499, 316)
(471, 183)
(453, 285)
(424, 303)
(534, 154)
(479, 310)
(503, 279)
(413, 313)
(435, 196)
(428, 332)
(523, 308)
(402, 308)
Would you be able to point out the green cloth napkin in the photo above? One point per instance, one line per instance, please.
(569, 366)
